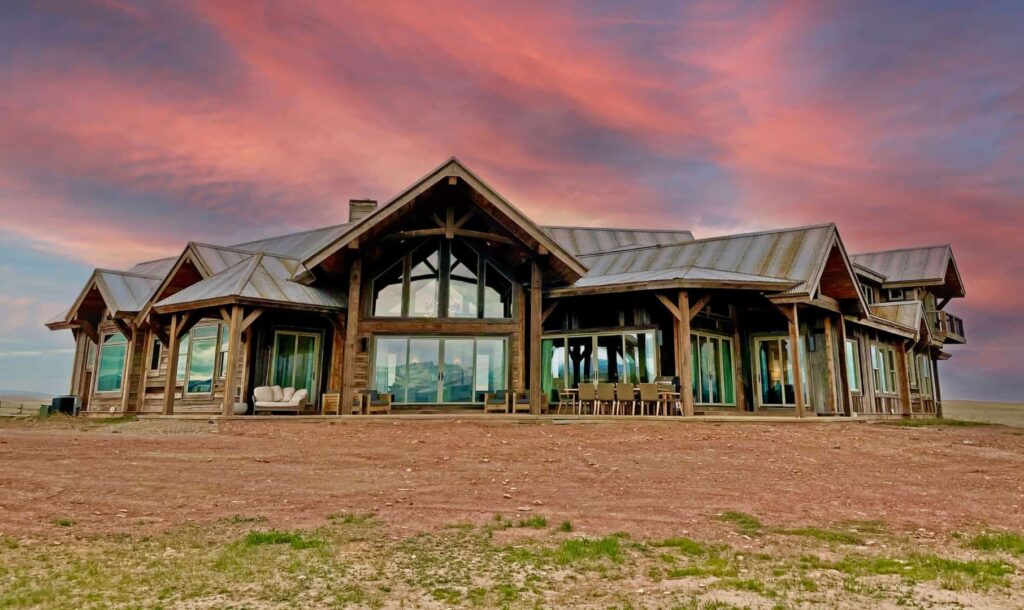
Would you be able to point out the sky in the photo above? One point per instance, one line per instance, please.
(130, 128)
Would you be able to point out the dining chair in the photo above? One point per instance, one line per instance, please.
(588, 397)
(605, 396)
(650, 397)
(625, 393)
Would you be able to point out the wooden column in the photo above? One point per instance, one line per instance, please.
(536, 293)
(844, 376)
(904, 375)
(171, 380)
(936, 391)
(685, 358)
(794, 358)
(144, 374)
(520, 355)
(126, 385)
(355, 281)
(830, 362)
(231, 361)
(738, 382)
(337, 353)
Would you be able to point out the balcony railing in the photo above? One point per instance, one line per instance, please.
(949, 325)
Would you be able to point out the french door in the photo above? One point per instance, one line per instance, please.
(445, 370)
(296, 360)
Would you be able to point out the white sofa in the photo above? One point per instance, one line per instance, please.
(276, 398)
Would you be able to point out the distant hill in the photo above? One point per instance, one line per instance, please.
(24, 396)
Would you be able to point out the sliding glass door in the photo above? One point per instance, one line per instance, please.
(439, 370)
(629, 357)
(296, 361)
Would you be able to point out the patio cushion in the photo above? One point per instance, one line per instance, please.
(263, 394)
(278, 393)
(297, 396)
(288, 392)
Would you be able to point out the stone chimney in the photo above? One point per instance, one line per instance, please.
(359, 209)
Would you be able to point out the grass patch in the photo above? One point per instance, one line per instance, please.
(292, 539)
(351, 518)
(1006, 542)
(565, 526)
(581, 550)
(682, 544)
(535, 522)
(919, 567)
(745, 524)
(825, 535)
(63, 522)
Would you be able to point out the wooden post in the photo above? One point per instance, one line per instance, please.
(231, 361)
(738, 383)
(844, 375)
(171, 381)
(685, 358)
(520, 344)
(794, 358)
(830, 361)
(936, 391)
(337, 353)
(126, 385)
(536, 290)
(355, 281)
(904, 374)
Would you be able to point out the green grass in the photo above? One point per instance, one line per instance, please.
(63, 522)
(1006, 542)
(687, 546)
(745, 524)
(824, 535)
(919, 567)
(565, 526)
(535, 522)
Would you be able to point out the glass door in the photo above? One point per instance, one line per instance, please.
(457, 376)
(774, 372)
(424, 370)
(295, 362)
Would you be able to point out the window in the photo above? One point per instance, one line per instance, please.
(883, 366)
(925, 366)
(853, 365)
(450, 278)
(911, 362)
(712, 370)
(202, 354)
(897, 294)
(112, 357)
(182, 358)
(90, 357)
(869, 293)
(439, 369)
(155, 350)
(222, 352)
(629, 357)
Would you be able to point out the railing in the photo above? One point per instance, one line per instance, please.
(949, 325)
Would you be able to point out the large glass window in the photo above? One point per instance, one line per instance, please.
(853, 365)
(155, 350)
(202, 354)
(713, 382)
(423, 285)
(182, 358)
(463, 285)
(222, 351)
(609, 357)
(439, 370)
(112, 356)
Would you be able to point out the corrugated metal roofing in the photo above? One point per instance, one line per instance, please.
(794, 256)
(927, 264)
(159, 267)
(589, 240)
(219, 258)
(696, 274)
(259, 277)
(296, 245)
(126, 292)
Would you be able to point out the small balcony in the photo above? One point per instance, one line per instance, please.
(950, 328)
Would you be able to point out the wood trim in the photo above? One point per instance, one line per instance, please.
(699, 305)
(904, 378)
(738, 382)
(830, 363)
(89, 330)
(126, 384)
(231, 361)
(670, 306)
(355, 282)
(172, 367)
(794, 356)
(251, 318)
(686, 362)
(536, 292)
(437, 325)
(550, 309)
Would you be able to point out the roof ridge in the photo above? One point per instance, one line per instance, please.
(617, 229)
(292, 234)
(907, 249)
(716, 238)
(133, 274)
(254, 262)
(243, 251)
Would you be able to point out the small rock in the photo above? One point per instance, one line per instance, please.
(524, 509)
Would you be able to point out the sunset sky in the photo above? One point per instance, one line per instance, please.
(128, 129)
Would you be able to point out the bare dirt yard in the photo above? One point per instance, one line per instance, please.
(196, 514)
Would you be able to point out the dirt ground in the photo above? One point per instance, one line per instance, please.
(647, 479)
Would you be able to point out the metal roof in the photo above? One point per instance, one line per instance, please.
(694, 274)
(589, 240)
(126, 292)
(160, 267)
(259, 277)
(927, 264)
(296, 245)
(905, 313)
(789, 258)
